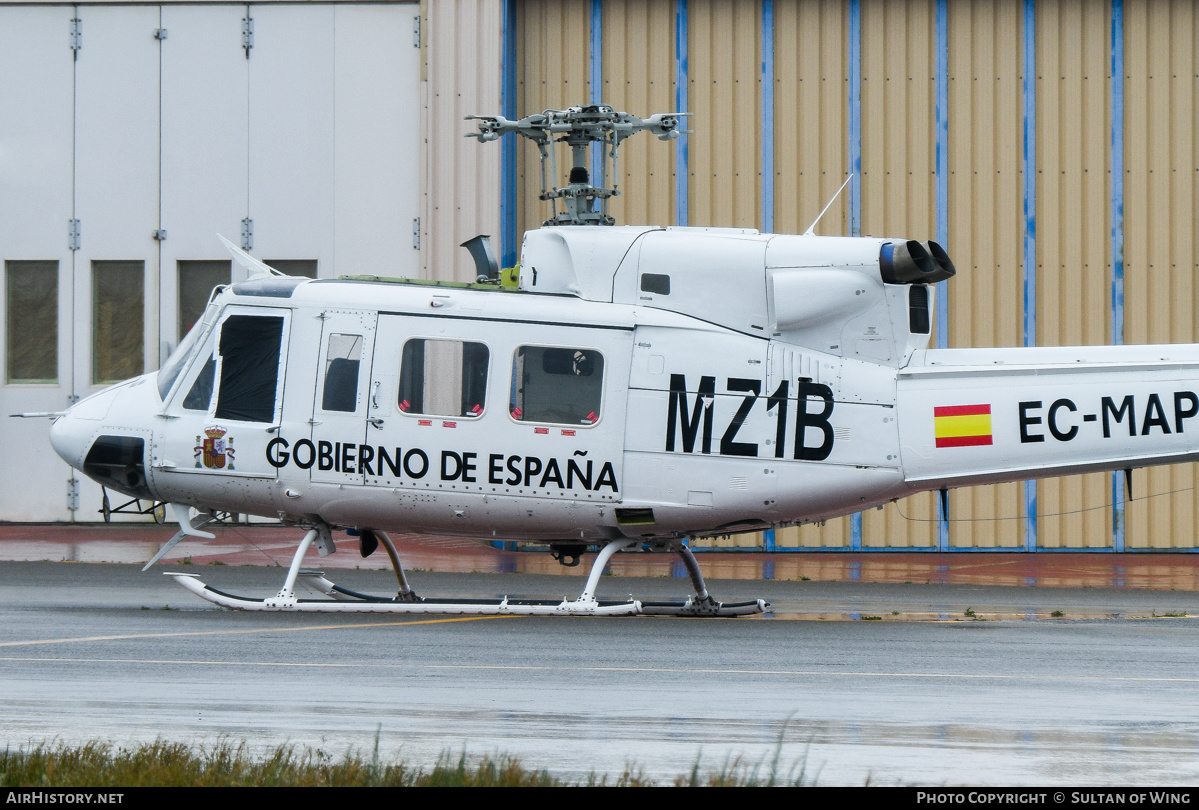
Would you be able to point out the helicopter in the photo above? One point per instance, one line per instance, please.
(623, 388)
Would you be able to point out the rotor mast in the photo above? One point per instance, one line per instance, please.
(584, 203)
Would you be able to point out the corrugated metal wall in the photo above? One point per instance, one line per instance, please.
(985, 224)
(1072, 239)
(1073, 230)
(638, 58)
(725, 98)
(898, 184)
(810, 115)
(1161, 150)
(462, 176)
(553, 58)
(811, 155)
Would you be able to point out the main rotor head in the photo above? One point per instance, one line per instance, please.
(579, 127)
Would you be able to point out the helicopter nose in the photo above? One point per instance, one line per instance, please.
(72, 434)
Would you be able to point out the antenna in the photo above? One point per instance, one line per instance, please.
(812, 227)
(579, 127)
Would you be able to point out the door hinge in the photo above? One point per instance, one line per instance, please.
(416, 32)
(74, 239)
(416, 234)
(247, 32)
(160, 235)
(160, 33)
(76, 34)
(72, 494)
(247, 234)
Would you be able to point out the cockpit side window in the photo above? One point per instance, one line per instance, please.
(174, 365)
(559, 385)
(443, 378)
(199, 397)
(182, 354)
(249, 362)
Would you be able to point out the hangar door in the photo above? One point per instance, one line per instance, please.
(130, 135)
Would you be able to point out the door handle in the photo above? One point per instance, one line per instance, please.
(376, 421)
(375, 394)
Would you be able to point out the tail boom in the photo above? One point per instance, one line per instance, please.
(986, 416)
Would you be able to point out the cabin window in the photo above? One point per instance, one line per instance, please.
(197, 279)
(118, 318)
(443, 378)
(658, 283)
(556, 384)
(249, 379)
(342, 360)
(32, 306)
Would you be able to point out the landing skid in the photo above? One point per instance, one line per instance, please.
(344, 600)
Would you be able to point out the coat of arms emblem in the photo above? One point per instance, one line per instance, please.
(215, 451)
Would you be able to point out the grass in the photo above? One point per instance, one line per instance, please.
(165, 764)
(225, 764)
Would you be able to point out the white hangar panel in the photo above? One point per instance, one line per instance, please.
(291, 133)
(36, 76)
(116, 133)
(116, 203)
(116, 188)
(36, 120)
(204, 160)
(376, 140)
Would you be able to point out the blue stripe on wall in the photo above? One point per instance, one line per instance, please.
(768, 116)
(941, 46)
(596, 81)
(1030, 232)
(855, 166)
(1117, 234)
(508, 145)
(680, 101)
(942, 160)
(855, 117)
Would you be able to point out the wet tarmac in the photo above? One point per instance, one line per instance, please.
(974, 678)
(270, 545)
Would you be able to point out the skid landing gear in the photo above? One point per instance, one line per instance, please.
(344, 600)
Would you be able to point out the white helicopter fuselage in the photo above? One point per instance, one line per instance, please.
(640, 383)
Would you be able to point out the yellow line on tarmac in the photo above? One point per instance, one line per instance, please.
(524, 668)
(35, 642)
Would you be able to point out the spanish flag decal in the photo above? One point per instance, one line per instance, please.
(962, 425)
